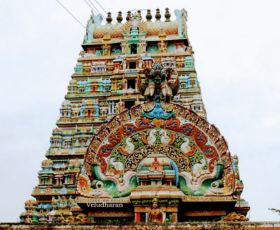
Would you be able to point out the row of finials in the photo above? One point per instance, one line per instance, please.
(149, 16)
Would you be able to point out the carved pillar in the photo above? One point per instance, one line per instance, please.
(137, 216)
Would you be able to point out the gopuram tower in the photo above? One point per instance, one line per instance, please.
(133, 144)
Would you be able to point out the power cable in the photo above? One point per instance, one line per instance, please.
(92, 7)
(100, 6)
(69, 12)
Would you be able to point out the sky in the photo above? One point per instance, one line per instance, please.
(236, 44)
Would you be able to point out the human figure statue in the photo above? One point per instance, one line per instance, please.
(156, 214)
(120, 107)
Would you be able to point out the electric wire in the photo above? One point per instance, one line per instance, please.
(93, 8)
(71, 14)
(100, 6)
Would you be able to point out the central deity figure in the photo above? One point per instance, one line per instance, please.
(156, 214)
(158, 84)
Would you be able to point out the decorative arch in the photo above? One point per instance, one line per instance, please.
(142, 26)
(197, 148)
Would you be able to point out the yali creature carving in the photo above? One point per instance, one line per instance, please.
(159, 84)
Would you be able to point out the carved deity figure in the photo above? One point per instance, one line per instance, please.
(156, 214)
(120, 107)
(159, 85)
(156, 165)
(125, 47)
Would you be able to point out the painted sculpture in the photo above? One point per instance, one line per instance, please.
(179, 152)
(203, 167)
(159, 84)
(155, 214)
(132, 143)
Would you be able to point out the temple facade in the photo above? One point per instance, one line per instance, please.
(132, 143)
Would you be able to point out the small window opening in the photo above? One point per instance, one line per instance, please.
(128, 104)
(133, 49)
(131, 84)
(132, 65)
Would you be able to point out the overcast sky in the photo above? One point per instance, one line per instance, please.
(236, 44)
